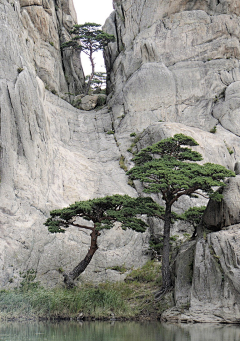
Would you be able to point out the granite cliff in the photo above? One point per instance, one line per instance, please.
(51, 153)
(173, 68)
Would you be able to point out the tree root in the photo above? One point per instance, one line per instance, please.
(163, 291)
(68, 280)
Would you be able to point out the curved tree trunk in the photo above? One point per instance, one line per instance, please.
(72, 275)
(166, 273)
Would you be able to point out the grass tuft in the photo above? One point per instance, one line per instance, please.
(131, 299)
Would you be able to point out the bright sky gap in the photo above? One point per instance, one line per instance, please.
(96, 11)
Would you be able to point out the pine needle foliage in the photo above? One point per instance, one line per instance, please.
(162, 168)
(88, 38)
(104, 212)
(194, 215)
(169, 167)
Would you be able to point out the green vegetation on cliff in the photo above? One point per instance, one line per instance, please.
(169, 168)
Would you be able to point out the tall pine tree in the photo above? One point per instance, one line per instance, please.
(169, 167)
(89, 39)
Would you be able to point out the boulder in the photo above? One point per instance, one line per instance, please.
(88, 102)
(226, 212)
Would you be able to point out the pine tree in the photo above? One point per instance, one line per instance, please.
(98, 80)
(194, 216)
(103, 213)
(169, 167)
(89, 39)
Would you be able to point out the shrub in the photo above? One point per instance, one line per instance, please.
(213, 130)
(101, 100)
(148, 273)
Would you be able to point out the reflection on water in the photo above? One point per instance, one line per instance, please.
(117, 331)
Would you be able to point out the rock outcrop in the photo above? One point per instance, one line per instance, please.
(226, 212)
(176, 62)
(207, 280)
(46, 26)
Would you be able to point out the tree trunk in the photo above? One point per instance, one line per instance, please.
(166, 273)
(72, 275)
(93, 71)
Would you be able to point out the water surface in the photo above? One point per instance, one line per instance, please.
(117, 331)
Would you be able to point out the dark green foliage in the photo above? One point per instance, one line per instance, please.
(88, 38)
(194, 215)
(98, 80)
(168, 167)
(156, 244)
(103, 212)
(162, 167)
(91, 38)
(172, 148)
(101, 100)
(28, 282)
(213, 130)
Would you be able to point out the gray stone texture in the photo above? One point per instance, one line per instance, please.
(227, 211)
(173, 68)
(187, 50)
(207, 285)
(52, 154)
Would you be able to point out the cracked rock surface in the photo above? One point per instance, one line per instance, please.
(173, 68)
(52, 154)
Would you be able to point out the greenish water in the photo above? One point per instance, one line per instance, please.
(117, 331)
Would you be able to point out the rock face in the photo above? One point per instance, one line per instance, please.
(207, 280)
(227, 211)
(173, 68)
(51, 153)
(46, 25)
(176, 62)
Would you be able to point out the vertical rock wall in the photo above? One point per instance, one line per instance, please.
(47, 25)
(176, 62)
(175, 68)
(51, 153)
